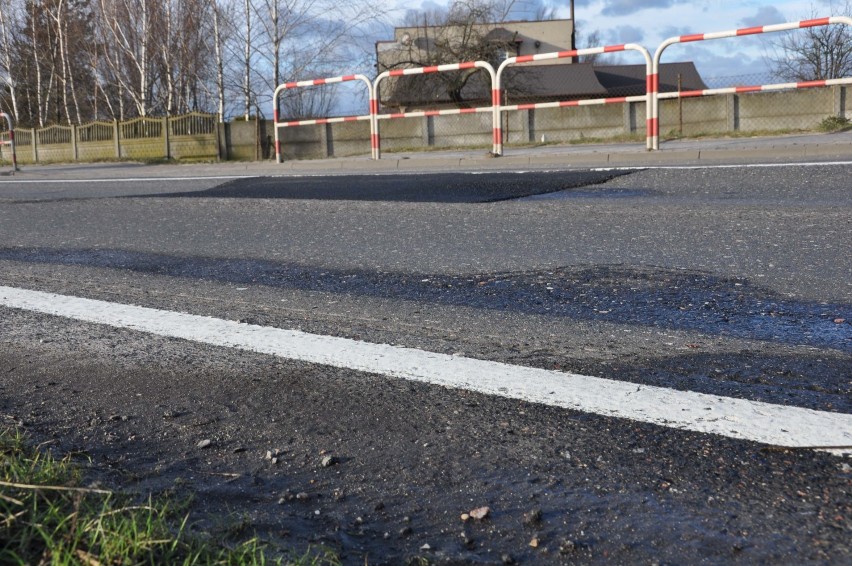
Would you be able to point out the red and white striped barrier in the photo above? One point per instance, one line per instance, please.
(374, 106)
(498, 89)
(757, 88)
(11, 141)
(652, 96)
(318, 82)
(655, 78)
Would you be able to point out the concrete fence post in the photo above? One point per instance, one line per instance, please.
(629, 117)
(33, 143)
(428, 131)
(75, 151)
(326, 140)
(34, 139)
(839, 100)
(220, 153)
(166, 148)
(526, 125)
(531, 125)
(115, 139)
(732, 103)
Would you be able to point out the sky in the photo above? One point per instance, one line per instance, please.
(650, 22)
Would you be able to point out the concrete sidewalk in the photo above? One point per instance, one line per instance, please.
(693, 152)
(733, 151)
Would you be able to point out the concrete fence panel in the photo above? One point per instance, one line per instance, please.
(304, 142)
(793, 110)
(464, 130)
(193, 136)
(24, 145)
(54, 144)
(706, 115)
(577, 122)
(406, 133)
(348, 138)
(96, 141)
(142, 138)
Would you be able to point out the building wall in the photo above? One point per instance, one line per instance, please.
(552, 35)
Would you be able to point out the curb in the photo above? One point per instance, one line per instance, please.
(670, 157)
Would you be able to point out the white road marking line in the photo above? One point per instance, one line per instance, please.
(123, 180)
(735, 418)
(734, 166)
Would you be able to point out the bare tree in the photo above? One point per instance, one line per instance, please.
(463, 32)
(815, 53)
(9, 24)
(129, 28)
(220, 20)
(584, 42)
(304, 39)
(248, 50)
(70, 60)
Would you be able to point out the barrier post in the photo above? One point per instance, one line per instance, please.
(736, 90)
(648, 97)
(276, 123)
(375, 136)
(494, 109)
(11, 142)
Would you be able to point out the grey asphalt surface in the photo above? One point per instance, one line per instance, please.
(728, 281)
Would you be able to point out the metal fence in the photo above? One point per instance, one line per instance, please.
(431, 107)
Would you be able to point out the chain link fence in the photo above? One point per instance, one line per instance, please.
(760, 104)
(685, 109)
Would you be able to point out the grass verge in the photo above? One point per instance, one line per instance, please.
(47, 516)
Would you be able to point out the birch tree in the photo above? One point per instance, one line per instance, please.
(307, 39)
(9, 24)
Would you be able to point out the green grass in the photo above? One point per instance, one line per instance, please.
(834, 124)
(47, 516)
(675, 135)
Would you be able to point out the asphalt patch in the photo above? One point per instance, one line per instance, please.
(678, 299)
(442, 188)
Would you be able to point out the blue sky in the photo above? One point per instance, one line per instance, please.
(650, 22)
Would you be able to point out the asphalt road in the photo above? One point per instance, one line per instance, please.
(729, 281)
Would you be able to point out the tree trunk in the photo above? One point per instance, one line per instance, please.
(220, 69)
(7, 62)
(247, 76)
(42, 110)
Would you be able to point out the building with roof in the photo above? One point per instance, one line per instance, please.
(414, 44)
(539, 81)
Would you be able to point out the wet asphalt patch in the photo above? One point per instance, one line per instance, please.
(664, 299)
(658, 297)
(442, 188)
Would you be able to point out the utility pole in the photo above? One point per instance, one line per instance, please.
(573, 32)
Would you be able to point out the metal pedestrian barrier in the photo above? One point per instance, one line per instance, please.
(647, 97)
(655, 135)
(651, 98)
(318, 121)
(451, 67)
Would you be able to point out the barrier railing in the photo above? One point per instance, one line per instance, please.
(756, 88)
(317, 82)
(493, 109)
(498, 89)
(655, 136)
(10, 140)
(651, 97)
